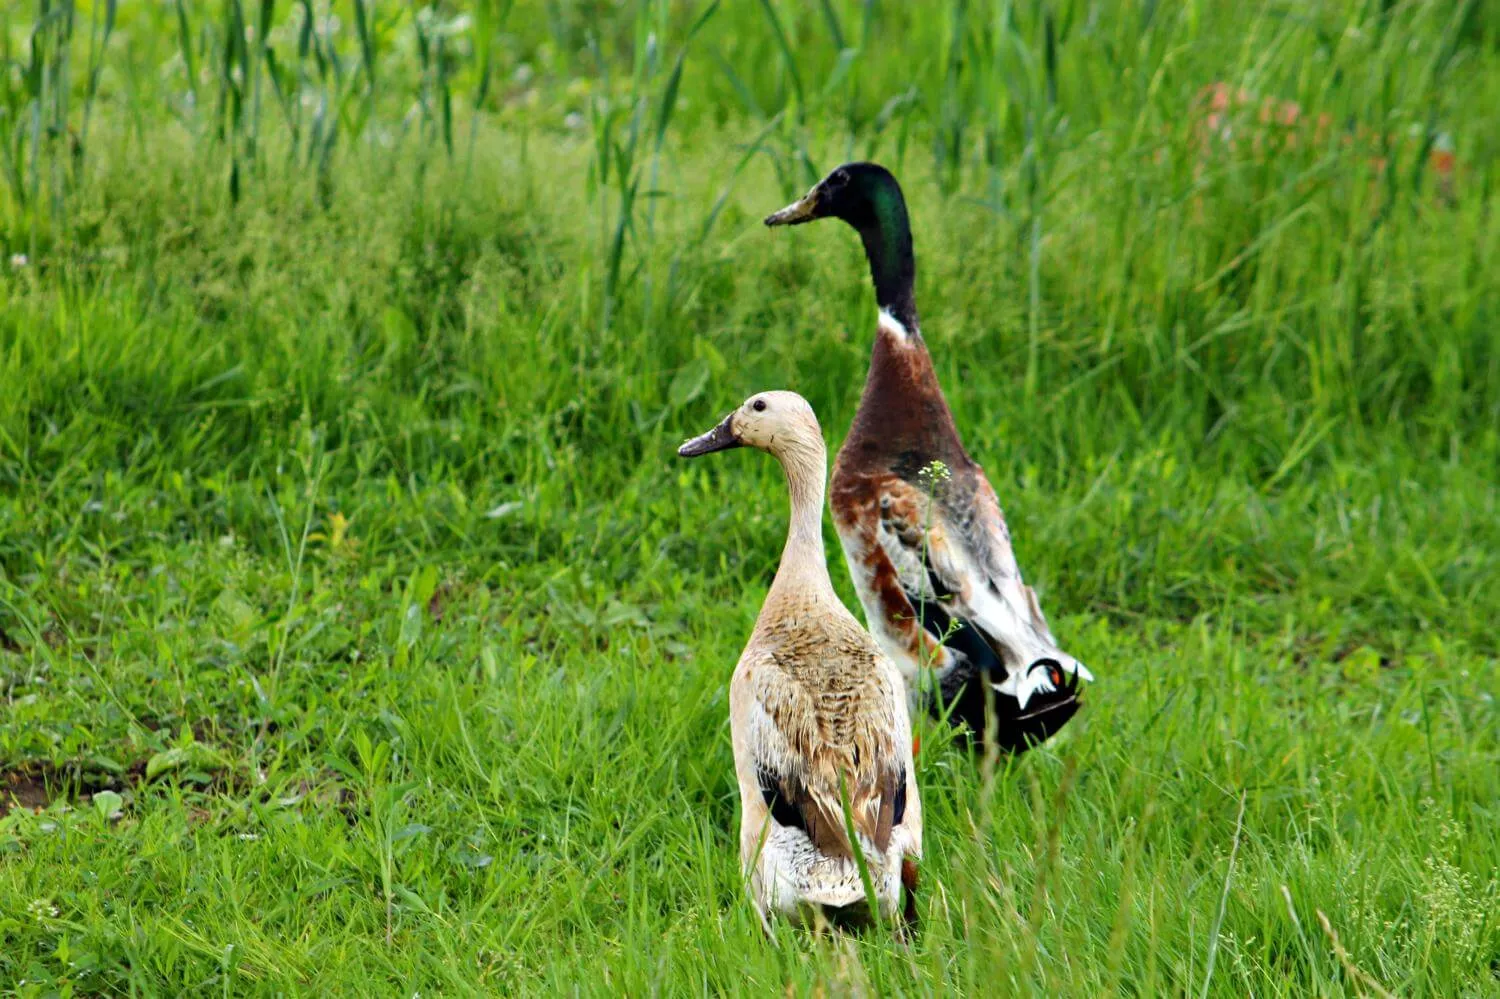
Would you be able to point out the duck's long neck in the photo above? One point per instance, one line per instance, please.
(803, 563)
(902, 408)
(893, 267)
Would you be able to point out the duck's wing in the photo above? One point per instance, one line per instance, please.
(950, 557)
(813, 746)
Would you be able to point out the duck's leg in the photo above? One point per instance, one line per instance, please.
(765, 924)
(909, 918)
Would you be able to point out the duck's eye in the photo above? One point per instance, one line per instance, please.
(759, 405)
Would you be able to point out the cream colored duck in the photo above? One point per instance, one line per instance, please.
(817, 712)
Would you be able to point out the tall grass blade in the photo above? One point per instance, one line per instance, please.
(185, 47)
(754, 147)
(831, 19)
(872, 900)
(668, 100)
(788, 59)
(98, 43)
(368, 60)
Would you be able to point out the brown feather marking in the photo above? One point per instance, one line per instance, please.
(893, 781)
(824, 830)
(856, 506)
(824, 715)
(1037, 616)
(902, 408)
(909, 884)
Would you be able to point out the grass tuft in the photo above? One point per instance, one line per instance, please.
(359, 630)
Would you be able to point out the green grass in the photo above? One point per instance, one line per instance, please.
(343, 544)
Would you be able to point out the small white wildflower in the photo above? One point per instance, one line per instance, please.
(934, 472)
(574, 120)
(523, 74)
(19, 260)
(41, 908)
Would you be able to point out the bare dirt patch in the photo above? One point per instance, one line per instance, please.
(37, 785)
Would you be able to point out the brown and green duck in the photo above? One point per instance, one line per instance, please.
(920, 524)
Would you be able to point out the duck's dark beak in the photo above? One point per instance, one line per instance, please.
(720, 438)
(798, 212)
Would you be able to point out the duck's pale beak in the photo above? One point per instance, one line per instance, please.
(720, 438)
(804, 210)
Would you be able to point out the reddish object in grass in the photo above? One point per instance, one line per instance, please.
(1278, 125)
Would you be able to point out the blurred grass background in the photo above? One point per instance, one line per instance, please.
(359, 630)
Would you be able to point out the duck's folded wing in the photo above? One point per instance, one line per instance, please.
(806, 769)
(953, 560)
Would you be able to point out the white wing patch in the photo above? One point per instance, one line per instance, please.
(927, 553)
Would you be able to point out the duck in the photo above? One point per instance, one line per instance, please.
(919, 523)
(818, 715)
